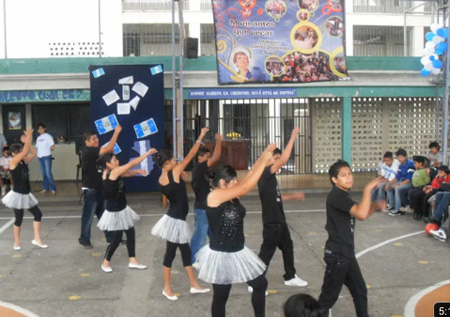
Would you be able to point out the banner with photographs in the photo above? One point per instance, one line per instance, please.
(279, 41)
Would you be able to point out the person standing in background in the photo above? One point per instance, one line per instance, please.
(45, 145)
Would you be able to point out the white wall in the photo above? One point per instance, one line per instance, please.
(32, 25)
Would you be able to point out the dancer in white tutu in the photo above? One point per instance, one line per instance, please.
(172, 227)
(226, 260)
(20, 197)
(118, 217)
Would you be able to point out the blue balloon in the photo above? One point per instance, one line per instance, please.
(443, 46)
(440, 32)
(438, 51)
(445, 35)
(432, 58)
(437, 63)
(429, 36)
(425, 72)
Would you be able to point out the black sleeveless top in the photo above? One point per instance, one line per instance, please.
(114, 194)
(177, 195)
(21, 178)
(227, 226)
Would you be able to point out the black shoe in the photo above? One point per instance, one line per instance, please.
(85, 244)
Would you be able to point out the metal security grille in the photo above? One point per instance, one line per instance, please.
(205, 5)
(207, 40)
(147, 5)
(387, 124)
(258, 122)
(383, 6)
(379, 40)
(149, 39)
(326, 132)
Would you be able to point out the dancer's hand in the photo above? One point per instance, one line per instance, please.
(118, 128)
(295, 132)
(142, 172)
(268, 152)
(152, 151)
(219, 137)
(373, 184)
(203, 132)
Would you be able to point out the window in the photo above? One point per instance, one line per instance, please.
(378, 40)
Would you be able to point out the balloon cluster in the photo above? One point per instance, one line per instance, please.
(436, 46)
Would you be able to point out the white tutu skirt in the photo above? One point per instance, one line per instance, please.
(120, 220)
(19, 201)
(228, 267)
(172, 230)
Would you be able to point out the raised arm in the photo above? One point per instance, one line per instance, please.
(179, 168)
(221, 195)
(110, 147)
(26, 148)
(365, 209)
(217, 151)
(115, 173)
(287, 152)
(31, 154)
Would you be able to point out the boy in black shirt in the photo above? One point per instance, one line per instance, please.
(276, 232)
(92, 184)
(342, 266)
(201, 187)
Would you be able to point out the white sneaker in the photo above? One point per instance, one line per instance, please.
(403, 208)
(196, 266)
(17, 247)
(296, 281)
(250, 289)
(42, 246)
(439, 235)
(169, 297)
(106, 269)
(199, 291)
(137, 266)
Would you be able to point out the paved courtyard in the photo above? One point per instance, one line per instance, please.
(397, 259)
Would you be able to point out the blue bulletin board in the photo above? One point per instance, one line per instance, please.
(133, 96)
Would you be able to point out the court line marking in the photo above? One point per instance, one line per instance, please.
(6, 225)
(18, 309)
(411, 304)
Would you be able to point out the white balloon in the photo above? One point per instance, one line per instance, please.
(428, 51)
(435, 56)
(431, 43)
(424, 60)
(435, 71)
(434, 27)
(437, 39)
(428, 66)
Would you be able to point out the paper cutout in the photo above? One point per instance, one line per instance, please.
(117, 149)
(126, 80)
(123, 108)
(135, 102)
(140, 88)
(111, 97)
(125, 92)
(145, 128)
(98, 72)
(156, 69)
(106, 124)
(142, 147)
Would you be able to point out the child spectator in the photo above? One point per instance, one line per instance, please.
(397, 189)
(442, 203)
(434, 156)
(303, 305)
(388, 171)
(5, 176)
(420, 178)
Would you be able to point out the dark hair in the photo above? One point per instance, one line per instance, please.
(225, 172)
(276, 151)
(202, 151)
(335, 168)
(401, 152)
(162, 157)
(5, 148)
(388, 154)
(434, 144)
(102, 160)
(303, 305)
(87, 135)
(41, 125)
(419, 159)
(444, 168)
(15, 148)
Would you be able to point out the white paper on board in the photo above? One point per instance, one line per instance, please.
(123, 108)
(140, 88)
(134, 102)
(126, 80)
(125, 92)
(111, 97)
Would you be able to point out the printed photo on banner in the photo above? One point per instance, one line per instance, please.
(253, 39)
(14, 121)
(106, 124)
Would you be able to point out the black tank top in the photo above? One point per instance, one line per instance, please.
(177, 195)
(114, 194)
(227, 226)
(21, 178)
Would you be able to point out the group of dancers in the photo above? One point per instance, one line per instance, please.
(218, 213)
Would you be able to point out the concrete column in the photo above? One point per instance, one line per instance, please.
(346, 134)
(348, 37)
(418, 41)
(28, 116)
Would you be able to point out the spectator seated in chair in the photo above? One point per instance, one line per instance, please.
(420, 178)
(5, 176)
(442, 203)
(388, 169)
(435, 156)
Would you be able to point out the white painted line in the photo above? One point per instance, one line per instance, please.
(379, 245)
(411, 304)
(6, 225)
(18, 309)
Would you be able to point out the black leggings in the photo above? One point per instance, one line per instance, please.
(117, 237)
(221, 293)
(171, 249)
(35, 211)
